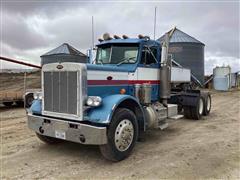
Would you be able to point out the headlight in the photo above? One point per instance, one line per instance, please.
(37, 95)
(94, 101)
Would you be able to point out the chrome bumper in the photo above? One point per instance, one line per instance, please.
(69, 131)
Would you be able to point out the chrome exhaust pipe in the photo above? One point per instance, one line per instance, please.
(165, 73)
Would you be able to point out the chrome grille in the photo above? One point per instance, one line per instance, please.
(60, 91)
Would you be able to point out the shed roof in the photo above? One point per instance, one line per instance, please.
(179, 36)
(65, 48)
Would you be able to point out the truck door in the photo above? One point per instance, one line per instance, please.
(148, 69)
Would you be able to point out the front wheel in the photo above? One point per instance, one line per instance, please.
(122, 135)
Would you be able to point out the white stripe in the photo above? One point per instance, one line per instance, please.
(152, 74)
(102, 75)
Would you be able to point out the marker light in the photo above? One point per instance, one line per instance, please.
(94, 101)
(122, 91)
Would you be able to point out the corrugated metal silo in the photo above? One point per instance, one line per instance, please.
(63, 53)
(188, 52)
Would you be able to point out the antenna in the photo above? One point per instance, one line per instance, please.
(92, 32)
(154, 26)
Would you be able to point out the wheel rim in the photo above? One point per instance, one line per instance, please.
(208, 104)
(124, 135)
(200, 106)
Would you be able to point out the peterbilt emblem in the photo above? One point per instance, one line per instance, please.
(59, 66)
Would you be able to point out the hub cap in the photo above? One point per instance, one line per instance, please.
(124, 135)
(200, 106)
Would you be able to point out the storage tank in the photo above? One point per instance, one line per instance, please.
(222, 78)
(63, 53)
(187, 51)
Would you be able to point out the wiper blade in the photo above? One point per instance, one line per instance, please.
(127, 59)
(101, 61)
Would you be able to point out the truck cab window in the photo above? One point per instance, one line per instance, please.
(103, 55)
(149, 56)
(117, 54)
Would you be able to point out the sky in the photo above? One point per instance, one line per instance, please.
(31, 28)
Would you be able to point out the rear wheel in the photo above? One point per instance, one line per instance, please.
(197, 111)
(187, 112)
(207, 104)
(180, 108)
(48, 140)
(8, 104)
(122, 135)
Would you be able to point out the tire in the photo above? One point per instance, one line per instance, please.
(28, 99)
(48, 140)
(20, 103)
(197, 111)
(8, 104)
(207, 104)
(187, 112)
(124, 122)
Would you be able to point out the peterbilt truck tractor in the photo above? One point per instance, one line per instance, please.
(132, 86)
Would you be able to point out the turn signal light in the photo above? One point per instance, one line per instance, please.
(122, 91)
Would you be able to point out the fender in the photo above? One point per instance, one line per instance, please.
(104, 113)
(36, 107)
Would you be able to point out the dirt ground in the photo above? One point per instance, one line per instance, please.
(188, 149)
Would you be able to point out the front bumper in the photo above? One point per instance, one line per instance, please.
(67, 130)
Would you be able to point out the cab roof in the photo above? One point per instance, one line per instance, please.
(125, 41)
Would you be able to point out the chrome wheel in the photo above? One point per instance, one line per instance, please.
(201, 104)
(124, 135)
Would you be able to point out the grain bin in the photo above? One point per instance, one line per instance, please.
(63, 53)
(222, 78)
(188, 52)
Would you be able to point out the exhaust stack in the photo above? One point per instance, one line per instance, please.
(165, 73)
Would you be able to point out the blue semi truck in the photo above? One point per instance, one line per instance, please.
(130, 87)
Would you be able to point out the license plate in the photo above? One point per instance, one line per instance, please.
(60, 134)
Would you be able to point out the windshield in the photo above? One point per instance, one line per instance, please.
(117, 54)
